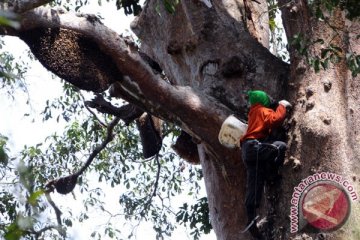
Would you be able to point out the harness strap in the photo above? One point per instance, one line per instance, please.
(250, 224)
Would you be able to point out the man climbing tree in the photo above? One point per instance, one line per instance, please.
(261, 154)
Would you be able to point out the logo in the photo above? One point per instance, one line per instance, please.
(325, 206)
(322, 202)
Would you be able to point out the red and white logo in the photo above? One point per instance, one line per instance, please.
(325, 206)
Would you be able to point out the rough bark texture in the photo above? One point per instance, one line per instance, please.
(211, 56)
(325, 123)
(211, 50)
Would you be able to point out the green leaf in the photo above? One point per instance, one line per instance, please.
(272, 24)
(9, 19)
(13, 232)
(68, 222)
(157, 9)
(318, 13)
(3, 156)
(316, 65)
(170, 6)
(33, 199)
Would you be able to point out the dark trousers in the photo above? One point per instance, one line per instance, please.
(262, 161)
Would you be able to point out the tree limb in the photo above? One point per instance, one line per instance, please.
(127, 113)
(47, 228)
(157, 175)
(94, 114)
(57, 213)
(66, 184)
(53, 205)
(20, 6)
(98, 149)
(198, 114)
(175, 103)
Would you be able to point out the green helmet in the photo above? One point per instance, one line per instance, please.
(258, 96)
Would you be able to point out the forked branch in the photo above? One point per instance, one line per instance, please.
(66, 184)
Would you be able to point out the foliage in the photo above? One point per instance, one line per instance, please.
(353, 61)
(329, 52)
(71, 5)
(129, 6)
(4, 158)
(169, 5)
(196, 214)
(351, 7)
(12, 73)
(8, 203)
(145, 187)
(278, 41)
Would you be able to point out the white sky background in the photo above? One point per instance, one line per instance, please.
(22, 130)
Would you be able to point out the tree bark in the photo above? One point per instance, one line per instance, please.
(325, 126)
(220, 52)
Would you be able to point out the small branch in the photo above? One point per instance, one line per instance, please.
(148, 202)
(66, 184)
(98, 149)
(53, 205)
(20, 6)
(39, 232)
(143, 161)
(58, 213)
(127, 113)
(91, 111)
(157, 176)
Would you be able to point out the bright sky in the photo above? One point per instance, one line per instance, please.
(23, 131)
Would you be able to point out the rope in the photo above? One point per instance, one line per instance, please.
(256, 172)
(256, 178)
(257, 164)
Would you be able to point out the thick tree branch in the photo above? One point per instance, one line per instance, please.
(127, 113)
(194, 111)
(92, 112)
(178, 104)
(20, 6)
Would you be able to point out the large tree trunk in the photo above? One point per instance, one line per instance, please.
(221, 53)
(211, 57)
(325, 127)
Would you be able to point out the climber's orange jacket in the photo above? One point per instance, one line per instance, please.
(261, 120)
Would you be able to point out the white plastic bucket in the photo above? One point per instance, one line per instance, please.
(231, 131)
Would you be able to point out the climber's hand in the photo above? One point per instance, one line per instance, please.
(285, 103)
